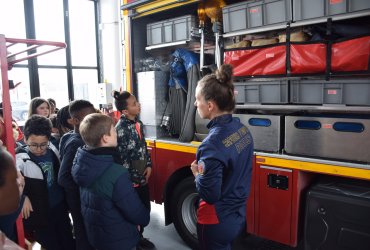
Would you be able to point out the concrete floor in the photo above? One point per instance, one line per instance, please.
(166, 237)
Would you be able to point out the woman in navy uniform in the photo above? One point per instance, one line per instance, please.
(223, 165)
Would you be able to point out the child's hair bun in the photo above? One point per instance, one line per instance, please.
(116, 94)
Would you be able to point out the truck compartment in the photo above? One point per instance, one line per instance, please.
(327, 137)
(267, 131)
(337, 215)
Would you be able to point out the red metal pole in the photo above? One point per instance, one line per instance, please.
(9, 140)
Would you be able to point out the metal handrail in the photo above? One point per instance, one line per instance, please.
(33, 45)
(6, 63)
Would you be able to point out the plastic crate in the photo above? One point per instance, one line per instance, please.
(308, 9)
(271, 92)
(348, 92)
(170, 30)
(250, 14)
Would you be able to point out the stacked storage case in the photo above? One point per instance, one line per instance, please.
(344, 91)
(170, 30)
(263, 92)
(251, 14)
(309, 9)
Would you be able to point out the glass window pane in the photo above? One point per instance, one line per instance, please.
(12, 24)
(85, 84)
(82, 30)
(49, 22)
(12, 18)
(53, 84)
(20, 96)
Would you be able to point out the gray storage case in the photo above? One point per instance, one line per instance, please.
(347, 92)
(170, 30)
(266, 131)
(308, 9)
(334, 138)
(271, 92)
(251, 14)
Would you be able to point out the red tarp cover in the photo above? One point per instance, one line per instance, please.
(308, 58)
(257, 61)
(351, 55)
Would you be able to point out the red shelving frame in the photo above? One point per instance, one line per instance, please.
(6, 62)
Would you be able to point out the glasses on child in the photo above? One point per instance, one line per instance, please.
(42, 146)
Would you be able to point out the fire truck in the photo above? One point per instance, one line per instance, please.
(302, 87)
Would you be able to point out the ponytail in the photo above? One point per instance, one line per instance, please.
(120, 99)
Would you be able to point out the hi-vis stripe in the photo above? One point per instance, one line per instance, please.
(315, 167)
(176, 147)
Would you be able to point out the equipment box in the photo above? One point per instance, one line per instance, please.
(266, 131)
(251, 14)
(271, 92)
(337, 215)
(170, 30)
(308, 9)
(328, 137)
(152, 96)
(348, 92)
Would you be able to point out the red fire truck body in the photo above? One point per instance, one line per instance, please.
(281, 182)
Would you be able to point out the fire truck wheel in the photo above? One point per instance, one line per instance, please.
(184, 201)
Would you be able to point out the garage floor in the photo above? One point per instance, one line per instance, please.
(166, 237)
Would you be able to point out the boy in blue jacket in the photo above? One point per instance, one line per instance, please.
(69, 143)
(110, 206)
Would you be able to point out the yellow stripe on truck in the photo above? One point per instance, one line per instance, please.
(176, 147)
(315, 167)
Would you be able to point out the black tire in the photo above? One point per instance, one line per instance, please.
(184, 202)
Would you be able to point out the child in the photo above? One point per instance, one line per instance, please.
(64, 121)
(69, 144)
(133, 150)
(9, 191)
(39, 106)
(110, 206)
(44, 211)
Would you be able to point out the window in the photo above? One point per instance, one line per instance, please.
(51, 75)
(20, 95)
(12, 18)
(49, 24)
(85, 83)
(53, 84)
(83, 37)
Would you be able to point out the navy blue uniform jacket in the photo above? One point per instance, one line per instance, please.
(225, 166)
